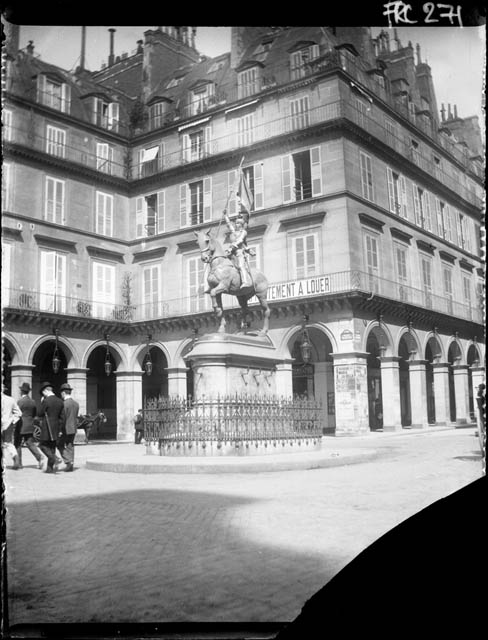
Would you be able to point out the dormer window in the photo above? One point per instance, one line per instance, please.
(105, 114)
(158, 112)
(53, 92)
(201, 98)
(300, 59)
(248, 81)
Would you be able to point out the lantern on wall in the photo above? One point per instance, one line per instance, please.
(56, 361)
(107, 364)
(305, 344)
(148, 365)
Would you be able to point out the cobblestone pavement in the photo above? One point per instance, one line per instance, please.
(95, 546)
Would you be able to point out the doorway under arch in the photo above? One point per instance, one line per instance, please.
(101, 392)
(453, 357)
(432, 353)
(156, 384)
(375, 396)
(43, 367)
(404, 374)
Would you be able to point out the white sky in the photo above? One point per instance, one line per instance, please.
(456, 55)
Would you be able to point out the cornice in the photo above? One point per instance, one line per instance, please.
(425, 246)
(371, 222)
(300, 221)
(58, 243)
(447, 257)
(400, 235)
(107, 254)
(149, 254)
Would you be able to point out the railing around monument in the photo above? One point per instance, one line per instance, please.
(238, 418)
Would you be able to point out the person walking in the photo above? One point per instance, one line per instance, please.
(66, 443)
(11, 414)
(139, 427)
(26, 432)
(53, 418)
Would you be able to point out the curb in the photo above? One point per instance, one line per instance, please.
(294, 461)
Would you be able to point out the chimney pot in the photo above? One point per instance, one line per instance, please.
(30, 47)
(111, 55)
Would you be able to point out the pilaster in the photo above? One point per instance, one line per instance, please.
(177, 381)
(390, 392)
(351, 393)
(441, 393)
(418, 393)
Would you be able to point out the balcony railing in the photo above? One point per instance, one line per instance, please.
(323, 285)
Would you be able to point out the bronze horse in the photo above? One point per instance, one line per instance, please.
(86, 422)
(223, 277)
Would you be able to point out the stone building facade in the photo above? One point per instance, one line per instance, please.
(367, 209)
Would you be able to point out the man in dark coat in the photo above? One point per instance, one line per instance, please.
(26, 431)
(66, 443)
(53, 419)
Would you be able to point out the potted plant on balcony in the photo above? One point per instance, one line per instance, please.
(83, 308)
(127, 310)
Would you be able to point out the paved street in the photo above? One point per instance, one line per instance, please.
(97, 546)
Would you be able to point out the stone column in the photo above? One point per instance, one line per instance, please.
(20, 373)
(77, 379)
(390, 393)
(177, 381)
(441, 393)
(284, 381)
(461, 393)
(418, 393)
(129, 400)
(351, 393)
(478, 376)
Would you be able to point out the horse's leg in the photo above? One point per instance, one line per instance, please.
(266, 311)
(216, 295)
(244, 311)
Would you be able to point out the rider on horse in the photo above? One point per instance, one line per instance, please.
(238, 247)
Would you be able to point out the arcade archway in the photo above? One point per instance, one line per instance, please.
(432, 354)
(454, 358)
(43, 367)
(404, 349)
(375, 397)
(101, 390)
(156, 384)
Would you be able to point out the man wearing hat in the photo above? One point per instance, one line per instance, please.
(66, 443)
(10, 416)
(52, 424)
(26, 431)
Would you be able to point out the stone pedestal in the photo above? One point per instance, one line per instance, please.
(441, 393)
(129, 400)
(418, 392)
(177, 381)
(351, 393)
(461, 392)
(225, 364)
(390, 392)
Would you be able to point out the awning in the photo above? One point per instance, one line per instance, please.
(150, 154)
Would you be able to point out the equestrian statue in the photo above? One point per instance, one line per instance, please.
(228, 267)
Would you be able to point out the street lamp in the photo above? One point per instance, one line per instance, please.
(305, 344)
(56, 362)
(148, 365)
(107, 364)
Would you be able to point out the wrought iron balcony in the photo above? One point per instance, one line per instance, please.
(293, 291)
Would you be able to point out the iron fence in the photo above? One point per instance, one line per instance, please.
(230, 419)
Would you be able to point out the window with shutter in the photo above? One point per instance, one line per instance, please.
(6, 186)
(366, 176)
(103, 287)
(104, 214)
(55, 141)
(305, 255)
(52, 286)
(54, 201)
(150, 293)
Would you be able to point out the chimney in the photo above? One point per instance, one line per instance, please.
(111, 56)
(83, 45)
(455, 111)
(30, 48)
(443, 113)
(139, 46)
(419, 60)
(449, 114)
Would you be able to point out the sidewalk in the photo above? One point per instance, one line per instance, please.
(127, 457)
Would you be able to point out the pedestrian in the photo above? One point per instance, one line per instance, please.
(53, 417)
(11, 414)
(66, 443)
(27, 426)
(139, 427)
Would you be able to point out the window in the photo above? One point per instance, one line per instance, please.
(305, 255)
(196, 274)
(414, 146)
(54, 93)
(104, 214)
(401, 253)
(464, 232)
(103, 284)
(254, 177)
(150, 214)
(6, 186)
(299, 61)
(151, 160)
(106, 114)
(436, 161)
(418, 205)
(245, 130)
(447, 277)
(391, 132)
(397, 193)
(366, 176)
(444, 221)
(201, 99)
(362, 113)
(105, 157)
(54, 201)
(426, 270)
(196, 145)
(372, 263)
(7, 124)
(6, 260)
(299, 112)
(157, 114)
(150, 290)
(467, 291)
(55, 141)
(301, 175)
(196, 202)
(52, 282)
(248, 82)
(425, 201)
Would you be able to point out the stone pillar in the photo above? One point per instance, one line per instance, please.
(390, 393)
(129, 400)
(351, 393)
(284, 381)
(77, 379)
(478, 376)
(20, 373)
(441, 393)
(461, 393)
(320, 387)
(418, 393)
(177, 381)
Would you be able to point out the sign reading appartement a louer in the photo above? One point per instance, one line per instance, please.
(314, 286)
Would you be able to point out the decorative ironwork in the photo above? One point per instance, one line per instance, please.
(231, 419)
